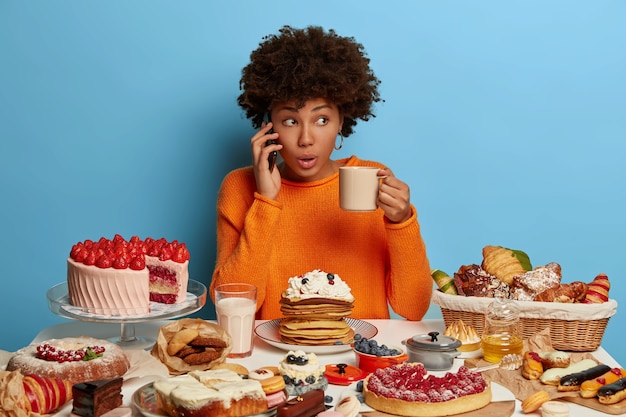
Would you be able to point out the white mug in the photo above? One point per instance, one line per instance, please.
(358, 188)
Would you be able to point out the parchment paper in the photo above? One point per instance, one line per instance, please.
(176, 365)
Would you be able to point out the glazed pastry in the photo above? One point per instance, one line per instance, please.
(589, 388)
(553, 376)
(572, 382)
(306, 405)
(613, 393)
(535, 401)
(564, 293)
(505, 263)
(598, 290)
(556, 359)
(532, 367)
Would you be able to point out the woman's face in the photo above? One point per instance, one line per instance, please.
(308, 137)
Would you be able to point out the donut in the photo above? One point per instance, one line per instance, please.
(533, 402)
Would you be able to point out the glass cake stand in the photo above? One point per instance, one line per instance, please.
(59, 303)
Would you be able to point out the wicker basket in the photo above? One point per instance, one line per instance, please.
(573, 327)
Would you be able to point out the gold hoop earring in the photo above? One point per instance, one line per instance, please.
(340, 143)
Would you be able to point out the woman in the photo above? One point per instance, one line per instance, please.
(305, 90)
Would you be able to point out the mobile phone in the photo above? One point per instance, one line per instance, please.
(274, 154)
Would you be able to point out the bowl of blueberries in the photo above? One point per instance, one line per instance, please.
(370, 355)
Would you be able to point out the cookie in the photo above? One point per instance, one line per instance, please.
(533, 402)
(188, 350)
(204, 341)
(203, 357)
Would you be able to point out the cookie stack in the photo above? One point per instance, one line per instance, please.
(194, 348)
(315, 305)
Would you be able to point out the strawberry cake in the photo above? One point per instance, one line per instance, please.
(119, 277)
(408, 390)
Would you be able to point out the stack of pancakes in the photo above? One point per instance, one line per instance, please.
(312, 319)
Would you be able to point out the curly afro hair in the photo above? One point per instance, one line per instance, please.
(302, 64)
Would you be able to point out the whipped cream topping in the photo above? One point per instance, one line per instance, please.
(300, 372)
(317, 284)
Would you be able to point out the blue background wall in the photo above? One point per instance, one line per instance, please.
(505, 118)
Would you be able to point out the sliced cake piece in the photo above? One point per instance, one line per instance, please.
(95, 398)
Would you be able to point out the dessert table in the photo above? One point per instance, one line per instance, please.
(390, 332)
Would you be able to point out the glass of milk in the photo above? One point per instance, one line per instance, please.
(236, 307)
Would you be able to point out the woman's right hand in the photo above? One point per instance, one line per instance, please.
(267, 182)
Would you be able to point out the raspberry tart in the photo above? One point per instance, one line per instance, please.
(119, 277)
(408, 390)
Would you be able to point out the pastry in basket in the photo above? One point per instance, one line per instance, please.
(408, 390)
(473, 280)
(505, 263)
(598, 290)
(444, 282)
(526, 286)
(73, 359)
(574, 292)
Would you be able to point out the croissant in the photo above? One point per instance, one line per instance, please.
(564, 293)
(505, 263)
(24, 395)
(598, 291)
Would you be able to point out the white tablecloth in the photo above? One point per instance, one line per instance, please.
(390, 332)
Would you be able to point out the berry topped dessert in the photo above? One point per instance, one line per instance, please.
(120, 277)
(408, 390)
(302, 372)
(314, 305)
(73, 359)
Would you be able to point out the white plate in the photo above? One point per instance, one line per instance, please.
(499, 393)
(145, 401)
(268, 331)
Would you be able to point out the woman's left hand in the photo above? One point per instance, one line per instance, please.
(394, 197)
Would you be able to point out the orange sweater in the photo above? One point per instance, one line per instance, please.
(265, 242)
